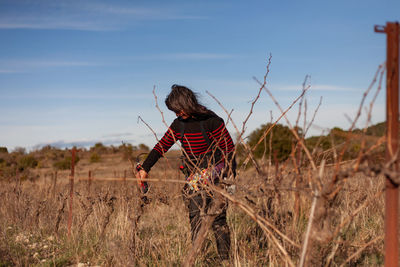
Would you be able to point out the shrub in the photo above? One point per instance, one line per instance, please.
(19, 150)
(143, 147)
(94, 158)
(3, 149)
(127, 150)
(99, 148)
(282, 139)
(65, 164)
(26, 162)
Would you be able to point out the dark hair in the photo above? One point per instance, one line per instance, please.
(182, 98)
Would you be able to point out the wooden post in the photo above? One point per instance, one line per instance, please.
(392, 116)
(89, 180)
(18, 179)
(54, 175)
(71, 190)
(392, 31)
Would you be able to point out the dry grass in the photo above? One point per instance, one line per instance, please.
(104, 230)
(300, 212)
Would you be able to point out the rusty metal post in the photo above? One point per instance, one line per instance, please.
(392, 31)
(71, 190)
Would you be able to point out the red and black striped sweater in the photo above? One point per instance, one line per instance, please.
(194, 142)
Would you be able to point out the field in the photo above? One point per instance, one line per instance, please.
(298, 201)
(269, 216)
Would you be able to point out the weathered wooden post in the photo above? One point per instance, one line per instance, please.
(71, 190)
(392, 31)
(89, 181)
(54, 175)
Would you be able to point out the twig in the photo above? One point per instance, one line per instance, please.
(148, 126)
(361, 249)
(313, 117)
(301, 101)
(334, 178)
(207, 221)
(360, 208)
(266, 132)
(310, 220)
(257, 97)
(363, 141)
(270, 147)
(365, 96)
(291, 127)
(239, 136)
(263, 223)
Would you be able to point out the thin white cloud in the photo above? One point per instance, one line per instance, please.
(85, 16)
(213, 85)
(22, 66)
(143, 13)
(55, 24)
(317, 87)
(117, 135)
(121, 10)
(82, 143)
(53, 20)
(196, 56)
(51, 63)
(323, 87)
(5, 71)
(74, 95)
(186, 56)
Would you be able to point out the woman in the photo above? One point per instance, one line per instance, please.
(207, 146)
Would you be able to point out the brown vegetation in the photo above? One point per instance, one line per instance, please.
(104, 231)
(310, 208)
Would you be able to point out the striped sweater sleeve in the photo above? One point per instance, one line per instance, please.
(169, 138)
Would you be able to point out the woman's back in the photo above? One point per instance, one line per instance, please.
(199, 136)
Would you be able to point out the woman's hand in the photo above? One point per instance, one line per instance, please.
(141, 176)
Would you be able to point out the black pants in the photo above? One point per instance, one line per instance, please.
(198, 204)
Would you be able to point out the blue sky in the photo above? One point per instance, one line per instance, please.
(79, 72)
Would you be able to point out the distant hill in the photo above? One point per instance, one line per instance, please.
(377, 129)
(280, 141)
(337, 137)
